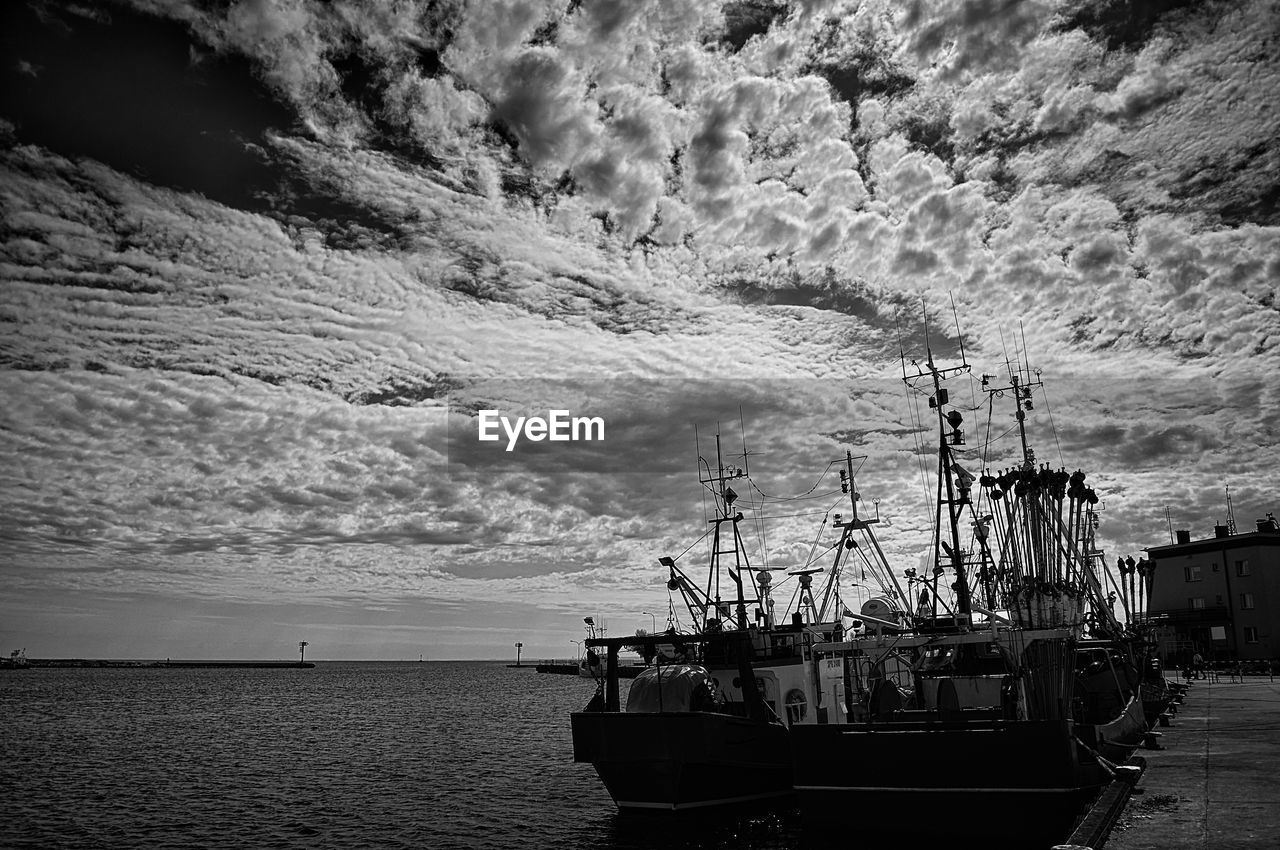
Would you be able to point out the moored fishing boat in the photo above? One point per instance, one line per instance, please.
(995, 709)
(707, 723)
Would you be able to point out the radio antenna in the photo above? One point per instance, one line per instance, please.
(959, 337)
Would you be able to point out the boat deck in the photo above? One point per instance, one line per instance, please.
(1213, 785)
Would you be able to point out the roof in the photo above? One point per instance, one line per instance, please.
(1247, 540)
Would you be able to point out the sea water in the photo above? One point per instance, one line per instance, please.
(345, 755)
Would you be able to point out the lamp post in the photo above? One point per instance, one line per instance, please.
(654, 619)
(519, 646)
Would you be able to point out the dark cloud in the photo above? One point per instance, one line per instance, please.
(747, 19)
(1121, 24)
(974, 35)
(648, 424)
(543, 107)
(123, 89)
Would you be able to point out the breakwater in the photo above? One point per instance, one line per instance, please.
(97, 662)
(625, 671)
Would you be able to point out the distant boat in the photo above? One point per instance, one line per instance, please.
(17, 660)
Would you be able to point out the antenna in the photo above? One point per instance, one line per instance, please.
(1231, 514)
(1026, 358)
(1169, 519)
(924, 316)
(1004, 347)
(959, 337)
(902, 354)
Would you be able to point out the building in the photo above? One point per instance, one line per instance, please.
(1219, 596)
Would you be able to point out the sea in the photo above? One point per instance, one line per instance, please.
(427, 754)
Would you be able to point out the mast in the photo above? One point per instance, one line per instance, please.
(954, 506)
(953, 482)
(725, 498)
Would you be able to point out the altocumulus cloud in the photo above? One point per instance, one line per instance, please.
(240, 392)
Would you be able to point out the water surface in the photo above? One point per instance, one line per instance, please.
(430, 755)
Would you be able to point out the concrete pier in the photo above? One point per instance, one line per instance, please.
(1214, 784)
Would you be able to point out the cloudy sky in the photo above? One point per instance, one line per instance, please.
(262, 263)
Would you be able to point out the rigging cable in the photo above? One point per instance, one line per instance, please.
(691, 545)
(1053, 428)
(917, 428)
(805, 495)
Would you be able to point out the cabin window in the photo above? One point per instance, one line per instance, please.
(797, 706)
(1250, 634)
(1192, 573)
(1196, 603)
(1242, 567)
(1246, 601)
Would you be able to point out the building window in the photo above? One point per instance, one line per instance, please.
(1250, 634)
(1246, 601)
(1196, 603)
(1192, 573)
(1242, 568)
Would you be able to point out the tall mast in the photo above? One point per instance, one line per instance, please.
(947, 534)
(954, 506)
(725, 512)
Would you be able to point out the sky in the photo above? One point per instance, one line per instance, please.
(262, 264)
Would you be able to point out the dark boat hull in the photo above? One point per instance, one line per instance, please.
(675, 761)
(952, 780)
(1118, 739)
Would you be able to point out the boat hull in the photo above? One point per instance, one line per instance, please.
(952, 780)
(1118, 739)
(676, 761)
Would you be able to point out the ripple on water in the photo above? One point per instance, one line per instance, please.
(432, 755)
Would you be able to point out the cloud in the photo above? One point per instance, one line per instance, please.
(247, 393)
(542, 104)
(974, 35)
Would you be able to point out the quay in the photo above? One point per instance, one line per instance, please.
(1212, 784)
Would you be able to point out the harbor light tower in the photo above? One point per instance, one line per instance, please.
(519, 646)
(302, 651)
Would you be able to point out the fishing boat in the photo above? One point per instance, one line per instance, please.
(17, 660)
(707, 723)
(995, 705)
